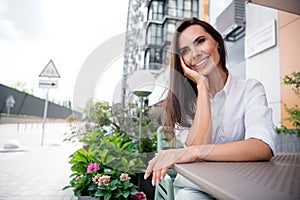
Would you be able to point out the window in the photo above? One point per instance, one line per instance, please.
(195, 8)
(171, 8)
(154, 34)
(169, 28)
(154, 58)
(187, 8)
(156, 10)
(182, 8)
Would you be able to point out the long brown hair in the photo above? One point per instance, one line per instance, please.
(179, 103)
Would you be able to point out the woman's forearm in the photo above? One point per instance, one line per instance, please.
(200, 131)
(244, 150)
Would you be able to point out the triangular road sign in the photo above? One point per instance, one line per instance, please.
(50, 71)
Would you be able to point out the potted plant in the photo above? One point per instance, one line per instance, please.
(113, 152)
(96, 175)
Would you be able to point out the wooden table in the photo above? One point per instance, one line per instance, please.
(277, 179)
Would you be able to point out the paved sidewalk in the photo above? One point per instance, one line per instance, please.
(38, 172)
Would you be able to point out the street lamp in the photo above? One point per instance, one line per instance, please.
(141, 83)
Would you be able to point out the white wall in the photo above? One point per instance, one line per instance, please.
(265, 66)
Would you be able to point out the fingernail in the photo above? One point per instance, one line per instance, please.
(157, 182)
(145, 176)
(152, 182)
(162, 177)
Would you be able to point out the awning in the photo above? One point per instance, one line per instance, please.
(291, 6)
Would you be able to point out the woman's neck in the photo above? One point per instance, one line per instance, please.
(216, 81)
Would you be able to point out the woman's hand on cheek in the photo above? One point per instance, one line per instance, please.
(188, 72)
(192, 74)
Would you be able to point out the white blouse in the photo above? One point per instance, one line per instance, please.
(239, 111)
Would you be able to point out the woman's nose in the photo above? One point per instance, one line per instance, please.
(196, 53)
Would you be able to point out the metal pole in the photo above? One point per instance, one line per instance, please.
(140, 128)
(44, 117)
(140, 136)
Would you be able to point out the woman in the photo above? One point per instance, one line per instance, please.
(217, 116)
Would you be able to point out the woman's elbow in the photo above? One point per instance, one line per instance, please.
(267, 155)
(264, 152)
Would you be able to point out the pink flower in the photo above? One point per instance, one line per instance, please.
(124, 177)
(104, 180)
(140, 196)
(93, 167)
(96, 178)
(85, 147)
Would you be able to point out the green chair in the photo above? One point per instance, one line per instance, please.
(164, 190)
(162, 142)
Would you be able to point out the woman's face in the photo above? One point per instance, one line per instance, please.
(198, 49)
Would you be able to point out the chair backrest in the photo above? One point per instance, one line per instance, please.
(162, 142)
(164, 190)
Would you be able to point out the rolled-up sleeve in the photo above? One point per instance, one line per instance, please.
(181, 134)
(258, 116)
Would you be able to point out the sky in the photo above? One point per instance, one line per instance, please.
(33, 32)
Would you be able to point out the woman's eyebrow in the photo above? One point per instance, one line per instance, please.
(197, 39)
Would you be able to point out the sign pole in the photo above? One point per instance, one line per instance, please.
(45, 116)
(49, 71)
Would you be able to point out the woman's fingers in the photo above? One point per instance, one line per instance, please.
(163, 173)
(150, 166)
(160, 164)
(189, 72)
(156, 177)
(159, 175)
(184, 66)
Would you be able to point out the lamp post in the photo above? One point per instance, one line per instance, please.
(141, 83)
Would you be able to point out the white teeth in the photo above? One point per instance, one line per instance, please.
(201, 62)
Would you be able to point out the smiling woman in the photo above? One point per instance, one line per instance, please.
(217, 116)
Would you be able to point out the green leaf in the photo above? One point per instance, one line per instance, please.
(116, 194)
(99, 193)
(92, 187)
(124, 162)
(107, 196)
(125, 145)
(109, 159)
(114, 182)
(126, 193)
(131, 163)
(66, 187)
(79, 167)
(127, 184)
(133, 191)
(103, 154)
(113, 187)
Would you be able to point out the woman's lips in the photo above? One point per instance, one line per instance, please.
(201, 63)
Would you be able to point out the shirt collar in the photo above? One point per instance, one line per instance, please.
(228, 83)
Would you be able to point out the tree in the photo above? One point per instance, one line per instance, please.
(22, 87)
(292, 80)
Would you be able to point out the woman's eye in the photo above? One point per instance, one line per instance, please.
(200, 41)
(183, 52)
